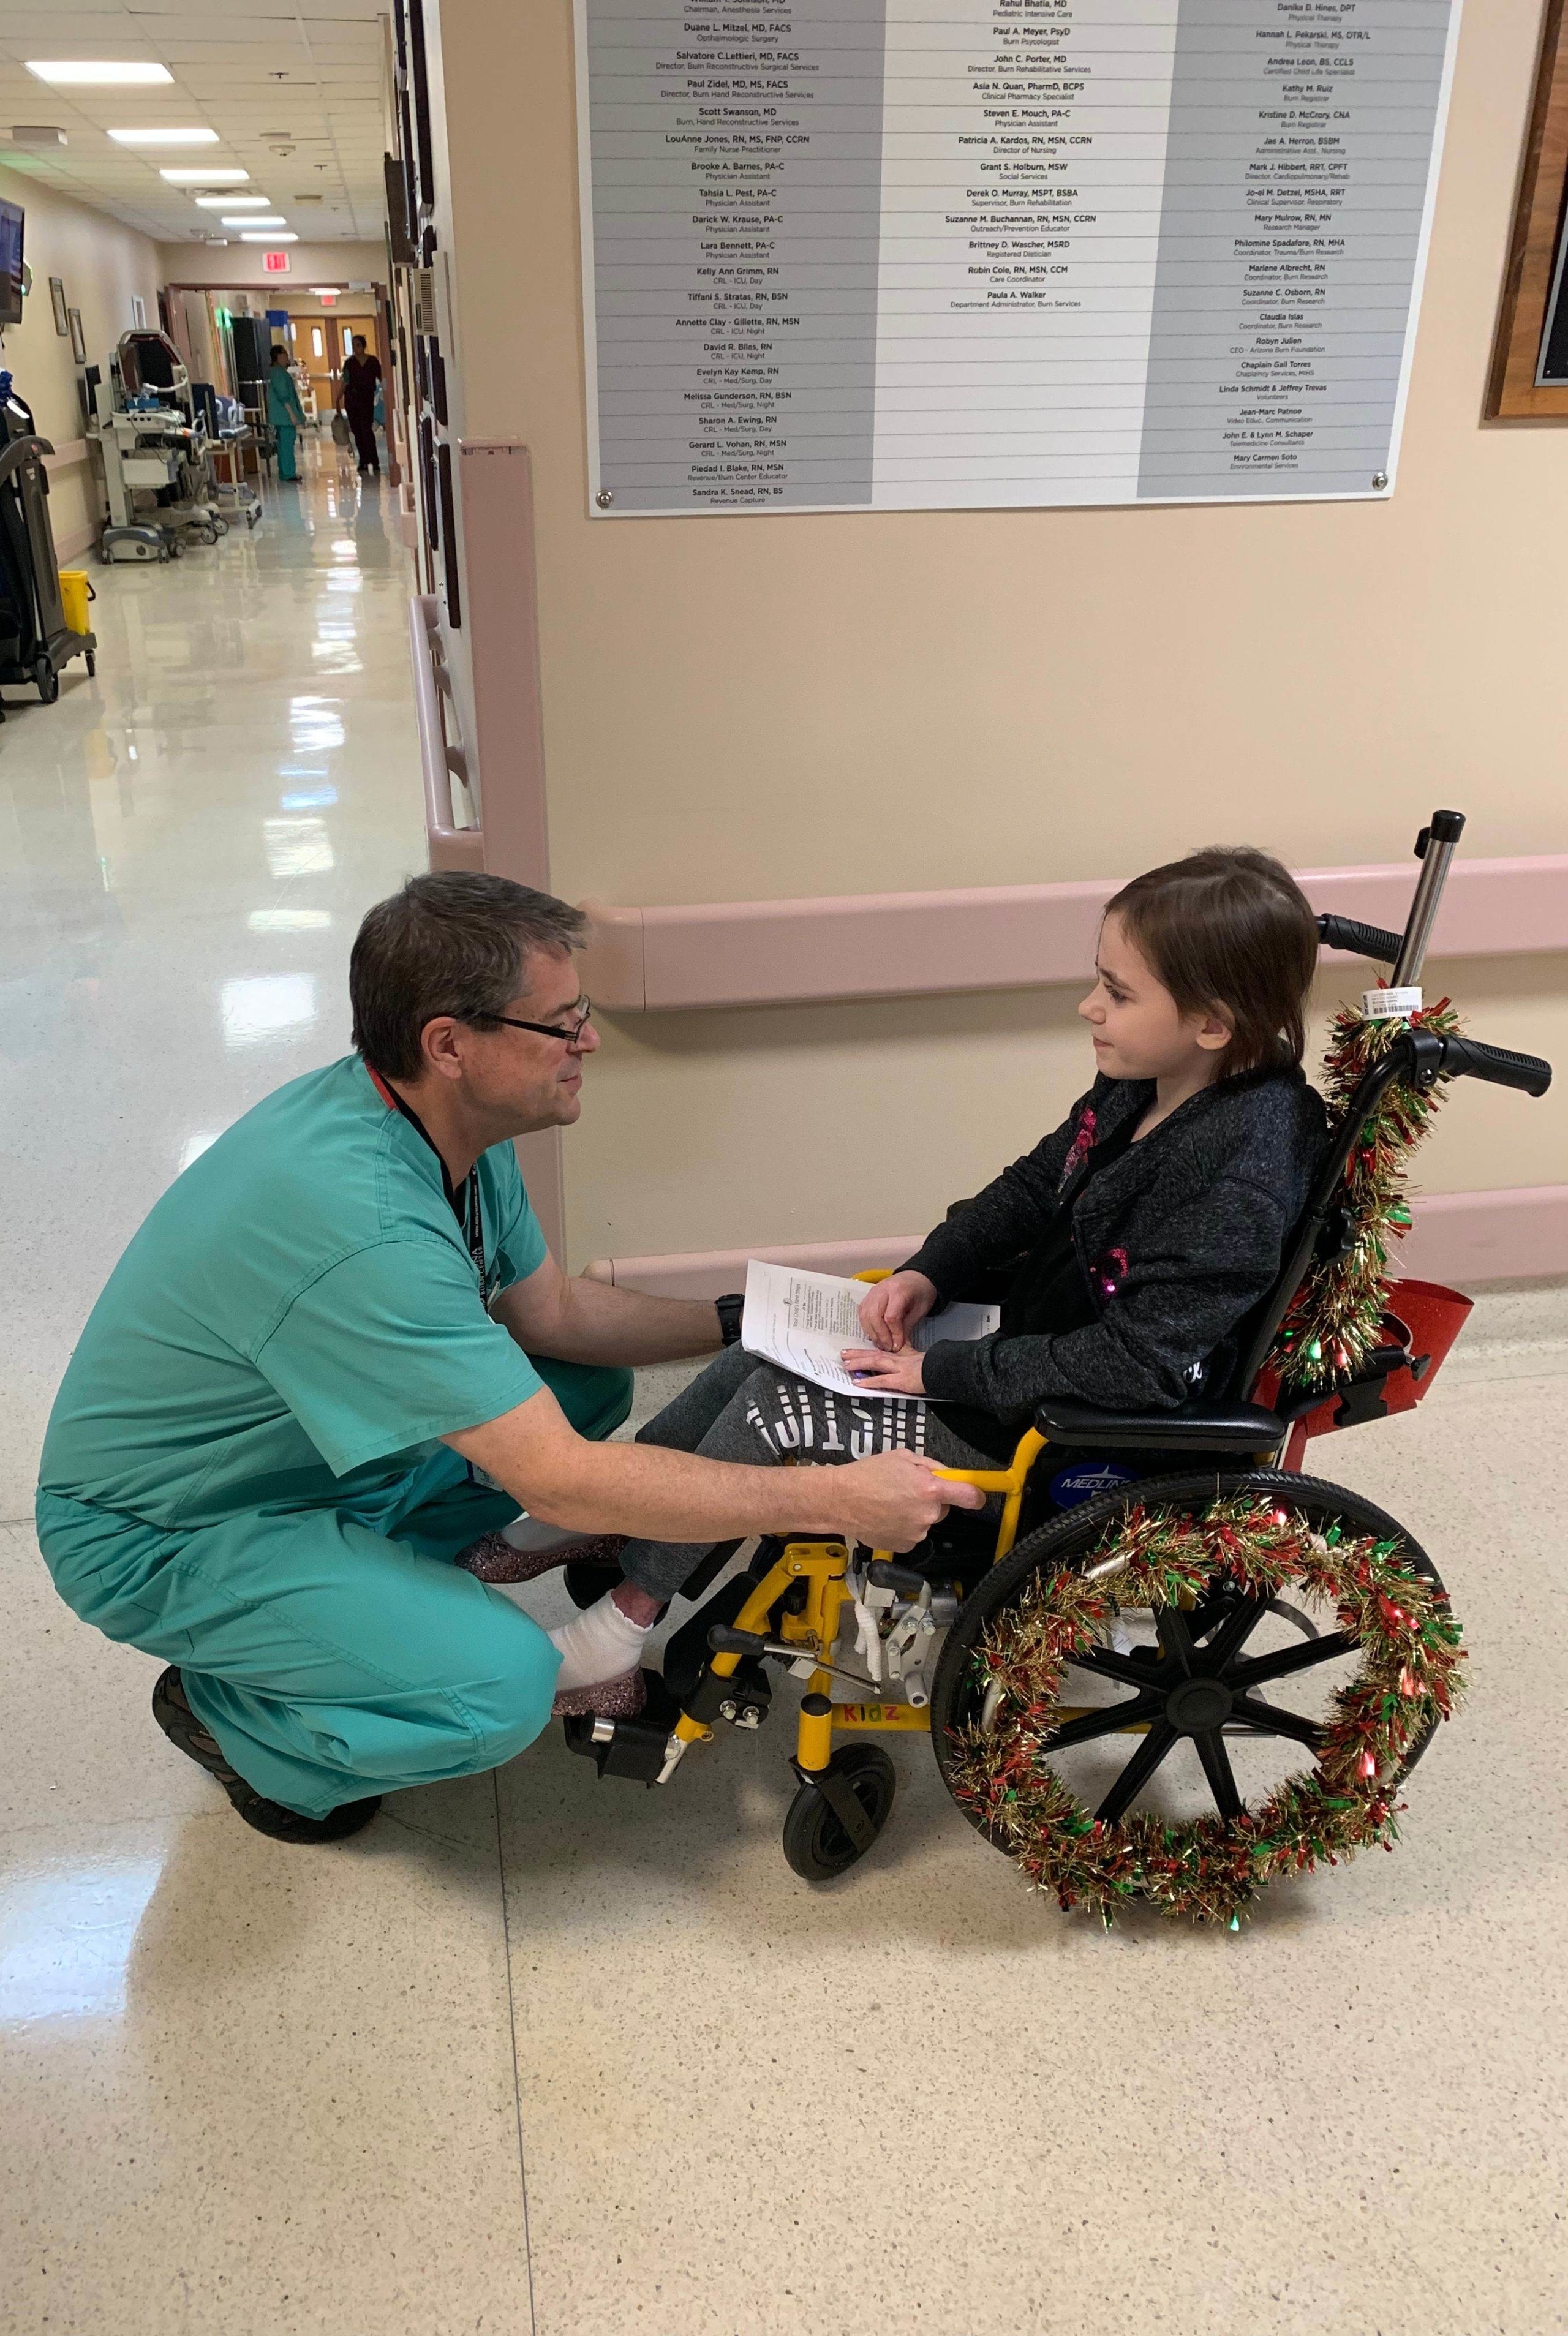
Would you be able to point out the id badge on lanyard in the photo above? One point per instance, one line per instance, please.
(474, 1233)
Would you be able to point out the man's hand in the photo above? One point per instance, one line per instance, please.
(890, 1309)
(880, 1374)
(893, 1501)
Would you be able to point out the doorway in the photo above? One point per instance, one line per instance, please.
(320, 341)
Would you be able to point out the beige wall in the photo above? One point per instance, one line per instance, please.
(763, 706)
(241, 263)
(101, 264)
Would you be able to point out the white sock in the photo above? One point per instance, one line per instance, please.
(603, 1644)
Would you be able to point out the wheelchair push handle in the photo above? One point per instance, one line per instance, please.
(1468, 1058)
(1434, 848)
(1357, 939)
(1405, 951)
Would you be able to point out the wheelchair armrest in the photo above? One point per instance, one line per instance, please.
(1188, 1428)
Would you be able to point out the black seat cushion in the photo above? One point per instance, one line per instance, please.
(1189, 1428)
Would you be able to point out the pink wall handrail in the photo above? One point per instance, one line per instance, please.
(450, 846)
(1514, 1234)
(1001, 937)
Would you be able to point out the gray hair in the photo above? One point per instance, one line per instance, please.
(447, 944)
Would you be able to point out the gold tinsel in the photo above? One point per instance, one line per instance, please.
(1207, 1868)
(1334, 1318)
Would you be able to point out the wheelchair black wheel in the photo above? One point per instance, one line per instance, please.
(816, 1842)
(1202, 1679)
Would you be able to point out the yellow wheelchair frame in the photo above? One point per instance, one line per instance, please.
(823, 1566)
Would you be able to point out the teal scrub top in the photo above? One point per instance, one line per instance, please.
(297, 1322)
(284, 409)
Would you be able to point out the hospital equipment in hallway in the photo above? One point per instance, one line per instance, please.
(36, 640)
(158, 479)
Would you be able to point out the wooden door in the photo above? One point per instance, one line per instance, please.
(342, 328)
(312, 346)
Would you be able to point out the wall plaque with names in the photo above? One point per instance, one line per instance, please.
(852, 255)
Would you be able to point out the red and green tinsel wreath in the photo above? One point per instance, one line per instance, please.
(1207, 1867)
(1334, 1318)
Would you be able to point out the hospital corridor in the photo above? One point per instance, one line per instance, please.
(785, 1317)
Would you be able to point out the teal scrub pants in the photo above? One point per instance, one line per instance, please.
(331, 1662)
(287, 434)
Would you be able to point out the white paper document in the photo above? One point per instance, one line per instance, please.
(805, 1321)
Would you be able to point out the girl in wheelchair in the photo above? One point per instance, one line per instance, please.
(1126, 1248)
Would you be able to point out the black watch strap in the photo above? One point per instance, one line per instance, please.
(729, 1309)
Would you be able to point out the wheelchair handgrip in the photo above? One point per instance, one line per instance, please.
(725, 1639)
(1360, 941)
(1468, 1058)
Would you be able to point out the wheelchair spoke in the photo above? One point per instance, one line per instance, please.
(1233, 1632)
(1271, 1721)
(1286, 1659)
(1137, 1772)
(1104, 1722)
(1175, 1638)
(1216, 1760)
(1106, 1660)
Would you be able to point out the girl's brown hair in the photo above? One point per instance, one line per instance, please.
(1229, 926)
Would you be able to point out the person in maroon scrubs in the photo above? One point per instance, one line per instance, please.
(357, 396)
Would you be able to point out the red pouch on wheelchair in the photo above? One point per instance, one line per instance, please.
(1413, 1346)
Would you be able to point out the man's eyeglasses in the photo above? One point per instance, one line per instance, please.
(571, 1032)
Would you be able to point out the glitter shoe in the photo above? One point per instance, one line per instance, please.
(614, 1699)
(492, 1558)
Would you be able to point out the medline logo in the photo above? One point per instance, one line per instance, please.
(1071, 1487)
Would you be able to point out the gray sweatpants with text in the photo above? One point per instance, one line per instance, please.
(741, 1409)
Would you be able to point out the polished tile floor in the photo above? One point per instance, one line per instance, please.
(538, 2054)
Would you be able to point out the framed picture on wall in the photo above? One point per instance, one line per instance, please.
(57, 294)
(78, 340)
(1529, 380)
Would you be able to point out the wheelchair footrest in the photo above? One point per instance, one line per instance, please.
(637, 1749)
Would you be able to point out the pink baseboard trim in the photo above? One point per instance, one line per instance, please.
(999, 937)
(710, 1272)
(1465, 1238)
(69, 546)
(1517, 1235)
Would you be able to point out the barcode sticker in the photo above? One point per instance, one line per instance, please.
(1390, 1005)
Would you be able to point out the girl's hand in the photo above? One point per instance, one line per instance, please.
(890, 1309)
(883, 1373)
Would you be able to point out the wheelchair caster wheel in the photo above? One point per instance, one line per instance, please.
(820, 1841)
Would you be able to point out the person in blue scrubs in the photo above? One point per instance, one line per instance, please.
(338, 1354)
(285, 412)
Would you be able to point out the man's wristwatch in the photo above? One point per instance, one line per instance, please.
(729, 1310)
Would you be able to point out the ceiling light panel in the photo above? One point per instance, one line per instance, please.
(90, 73)
(233, 203)
(164, 137)
(205, 178)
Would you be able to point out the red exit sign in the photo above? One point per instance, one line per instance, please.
(275, 263)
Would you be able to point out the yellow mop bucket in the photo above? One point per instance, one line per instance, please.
(75, 591)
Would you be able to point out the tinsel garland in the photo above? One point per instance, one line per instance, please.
(1208, 1867)
(1334, 1319)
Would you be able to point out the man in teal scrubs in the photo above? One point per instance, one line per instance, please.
(338, 1353)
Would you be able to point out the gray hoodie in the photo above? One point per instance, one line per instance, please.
(1178, 1240)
